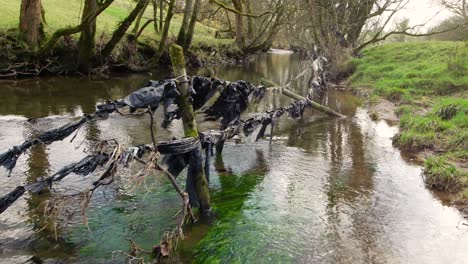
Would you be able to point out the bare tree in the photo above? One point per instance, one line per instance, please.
(458, 7)
(265, 18)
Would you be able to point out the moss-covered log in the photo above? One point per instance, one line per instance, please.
(197, 185)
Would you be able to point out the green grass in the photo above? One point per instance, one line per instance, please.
(405, 71)
(441, 174)
(62, 13)
(428, 81)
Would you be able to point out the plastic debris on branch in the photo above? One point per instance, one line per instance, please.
(178, 154)
(155, 93)
(233, 101)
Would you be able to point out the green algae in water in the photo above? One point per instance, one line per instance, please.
(236, 237)
(143, 219)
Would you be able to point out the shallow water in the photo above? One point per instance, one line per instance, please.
(325, 191)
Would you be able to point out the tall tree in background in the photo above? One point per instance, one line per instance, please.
(167, 23)
(155, 15)
(240, 39)
(189, 21)
(263, 22)
(87, 37)
(191, 26)
(250, 28)
(181, 37)
(31, 25)
(138, 19)
(458, 7)
(122, 29)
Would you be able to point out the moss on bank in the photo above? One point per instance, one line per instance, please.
(428, 81)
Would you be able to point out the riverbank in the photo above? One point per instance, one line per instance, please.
(138, 50)
(426, 85)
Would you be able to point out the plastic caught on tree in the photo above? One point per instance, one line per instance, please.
(152, 95)
(233, 101)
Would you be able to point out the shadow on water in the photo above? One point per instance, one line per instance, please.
(326, 191)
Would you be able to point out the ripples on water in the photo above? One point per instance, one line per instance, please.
(326, 191)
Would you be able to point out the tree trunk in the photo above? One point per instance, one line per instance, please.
(31, 26)
(191, 26)
(122, 29)
(161, 14)
(181, 38)
(87, 40)
(250, 29)
(197, 185)
(239, 23)
(50, 43)
(167, 23)
(155, 16)
(138, 20)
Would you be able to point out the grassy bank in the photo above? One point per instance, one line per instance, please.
(59, 14)
(428, 82)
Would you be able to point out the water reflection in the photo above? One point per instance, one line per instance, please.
(327, 191)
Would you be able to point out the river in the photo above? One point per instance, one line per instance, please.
(325, 191)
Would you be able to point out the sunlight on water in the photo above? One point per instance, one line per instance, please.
(326, 191)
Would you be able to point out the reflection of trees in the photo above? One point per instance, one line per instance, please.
(43, 242)
(58, 96)
(350, 174)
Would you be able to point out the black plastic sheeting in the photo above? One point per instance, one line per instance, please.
(84, 167)
(201, 90)
(151, 96)
(247, 127)
(233, 101)
(62, 132)
(155, 93)
(7, 200)
(132, 153)
(9, 158)
(178, 154)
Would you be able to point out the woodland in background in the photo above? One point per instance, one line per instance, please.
(339, 28)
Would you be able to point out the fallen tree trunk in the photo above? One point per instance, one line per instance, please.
(297, 97)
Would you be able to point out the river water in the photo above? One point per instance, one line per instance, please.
(326, 191)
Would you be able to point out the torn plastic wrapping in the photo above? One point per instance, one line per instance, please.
(62, 132)
(9, 158)
(232, 102)
(133, 152)
(203, 89)
(152, 95)
(8, 199)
